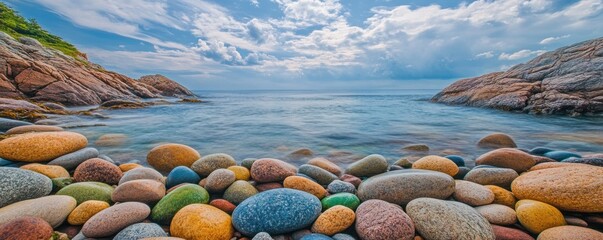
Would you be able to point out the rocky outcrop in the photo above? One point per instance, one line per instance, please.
(568, 80)
(166, 86)
(30, 71)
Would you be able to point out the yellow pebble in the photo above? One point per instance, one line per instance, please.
(85, 211)
(502, 196)
(437, 163)
(128, 166)
(334, 220)
(241, 173)
(537, 216)
(50, 171)
(306, 185)
(201, 221)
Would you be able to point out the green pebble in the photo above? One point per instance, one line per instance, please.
(180, 197)
(345, 199)
(60, 183)
(84, 191)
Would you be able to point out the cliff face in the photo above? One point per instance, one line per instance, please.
(166, 86)
(29, 70)
(568, 80)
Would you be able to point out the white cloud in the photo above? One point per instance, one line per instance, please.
(305, 13)
(218, 51)
(520, 54)
(553, 39)
(488, 54)
(538, 5)
(254, 3)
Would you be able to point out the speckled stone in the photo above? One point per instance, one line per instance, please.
(166, 208)
(223, 205)
(268, 186)
(200, 222)
(369, 166)
(458, 160)
(507, 158)
(6, 124)
(97, 170)
(334, 220)
(241, 173)
(339, 186)
(33, 128)
(316, 236)
(141, 173)
(416, 147)
(210, 163)
(238, 191)
(581, 188)
(326, 165)
(26, 228)
(142, 190)
(547, 165)
(85, 211)
(60, 183)
(590, 161)
(53, 209)
(72, 160)
(18, 185)
(506, 233)
(502, 177)
(271, 170)
(436, 163)
(403, 163)
(498, 214)
(377, 219)
(306, 185)
(248, 162)
(345, 199)
(570, 233)
(561, 155)
(262, 236)
(439, 219)
(497, 140)
(402, 186)
(351, 179)
(322, 176)
(139, 231)
(85, 191)
(472, 193)
(115, 218)
(219, 180)
(272, 212)
(537, 216)
(502, 196)
(41, 147)
(343, 236)
(166, 157)
(128, 166)
(47, 170)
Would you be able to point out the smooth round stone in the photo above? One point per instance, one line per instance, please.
(248, 162)
(268, 186)
(306, 185)
(498, 214)
(85, 191)
(316, 236)
(85, 211)
(416, 147)
(540, 151)
(72, 160)
(403, 163)
(219, 180)
(300, 153)
(200, 222)
(339, 186)
(343, 236)
(238, 191)
(60, 183)
(6, 124)
(111, 140)
(241, 173)
(369, 166)
(326, 165)
(271, 170)
(590, 161)
(581, 188)
(53, 209)
(167, 207)
(6, 163)
(377, 219)
(323, 177)
(507, 158)
(181, 174)
(97, 170)
(166, 157)
(115, 218)
(497, 140)
(223, 205)
(272, 211)
(537, 216)
(438, 164)
(472, 193)
(262, 236)
(334, 220)
(561, 155)
(140, 231)
(458, 160)
(462, 173)
(18, 185)
(46, 170)
(344, 199)
(128, 166)
(402, 186)
(506, 233)
(207, 164)
(502, 177)
(41, 147)
(502, 196)
(141, 173)
(575, 221)
(33, 128)
(26, 228)
(439, 219)
(570, 233)
(351, 179)
(142, 190)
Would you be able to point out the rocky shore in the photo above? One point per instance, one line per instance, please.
(54, 186)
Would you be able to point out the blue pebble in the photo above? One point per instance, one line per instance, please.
(316, 236)
(339, 186)
(561, 155)
(5, 162)
(540, 151)
(343, 236)
(458, 160)
(181, 174)
(276, 211)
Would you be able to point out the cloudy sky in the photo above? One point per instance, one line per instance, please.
(315, 44)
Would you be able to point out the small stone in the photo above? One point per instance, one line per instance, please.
(498, 214)
(47, 170)
(142, 190)
(561, 155)
(53, 209)
(248, 162)
(323, 177)
(115, 218)
(507, 158)
(85, 211)
(97, 170)
(458, 160)
(141, 173)
(85, 191)
(200, 222)
(26, 228)
(239, 191)
(462, 173)
(339, 186)
(128, 166)
(33, 128)
(111, 140)
(537, 216)
(502, 177)
(210, 163)
(369, 166)
(166, 157)
(344, 199)
(404, 163)
(41, 147)
(219, 180)
(326, 165)
(505, 233)
(241, 173)
(334, 220)
(168, 206)
(502, 196)
(140, 231)
(437, 163)
(570, 233)
(472, 193)
(351, 179)
(540, 151)
(72, 160)
(181, 174)
(262, 236)
(268, 186)
(300, 153)
(271, 170)
(377, 219)
(223, 205)
(306, 185)
(6, 124)
(18, 185)
(575, 221)
(497, 140)
(416, 147)
(60, 183)
(316, 236)
(343, 236)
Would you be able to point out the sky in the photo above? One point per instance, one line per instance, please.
(315, 44)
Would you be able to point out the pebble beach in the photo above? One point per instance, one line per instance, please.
(54, 185)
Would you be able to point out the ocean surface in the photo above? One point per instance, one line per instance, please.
(342, 126)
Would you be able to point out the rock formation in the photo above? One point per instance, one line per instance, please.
(166, 86)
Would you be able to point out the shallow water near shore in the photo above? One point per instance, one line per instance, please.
(341, 125)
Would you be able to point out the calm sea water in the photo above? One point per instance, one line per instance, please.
(341, 125)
